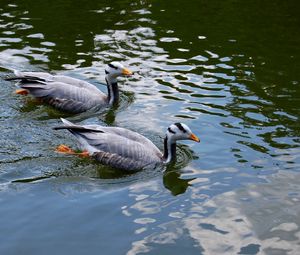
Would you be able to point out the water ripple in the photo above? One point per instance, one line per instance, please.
(236, 86)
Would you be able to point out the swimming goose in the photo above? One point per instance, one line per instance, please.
(122, 148)
(69, 94)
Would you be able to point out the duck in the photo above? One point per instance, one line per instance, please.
(69, 94)
(122, 148)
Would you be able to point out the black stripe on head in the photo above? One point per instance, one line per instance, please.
(171, 131)
(106, 72)
(180, 127)
(112, 66)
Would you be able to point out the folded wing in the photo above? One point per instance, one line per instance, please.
(62, 92)
(117, 147)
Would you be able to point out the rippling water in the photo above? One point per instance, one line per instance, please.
(227, 69)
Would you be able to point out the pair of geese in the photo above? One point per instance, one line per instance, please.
(115, 146)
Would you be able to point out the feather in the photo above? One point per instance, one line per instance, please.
(118, 147)
(62, 92)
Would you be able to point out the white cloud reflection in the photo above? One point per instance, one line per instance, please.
(258, 219)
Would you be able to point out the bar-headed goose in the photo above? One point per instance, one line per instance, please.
(69, 94)
(122, 148)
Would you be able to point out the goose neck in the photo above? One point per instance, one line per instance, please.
(112, 90)
(169, 150)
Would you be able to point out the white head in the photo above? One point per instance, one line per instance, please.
(180, 131)
(177, 131)
(115, 69)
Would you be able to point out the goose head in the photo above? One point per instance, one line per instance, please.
(175, 132)
(115, 69)
(180, 131)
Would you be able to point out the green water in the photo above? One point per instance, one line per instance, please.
(228, 69)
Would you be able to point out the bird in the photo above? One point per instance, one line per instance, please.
(69, 94)
(122, 148)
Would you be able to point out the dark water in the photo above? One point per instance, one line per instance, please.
(228, 69)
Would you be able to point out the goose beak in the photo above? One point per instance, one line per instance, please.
(194, 138)
(126, 72)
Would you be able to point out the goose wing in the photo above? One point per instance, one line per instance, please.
(66, 97)
(118, 147)
(62, 92)
(122, 152)
(46, 77)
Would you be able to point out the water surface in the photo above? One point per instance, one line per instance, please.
(230, 70)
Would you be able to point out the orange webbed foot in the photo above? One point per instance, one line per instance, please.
(64, 149)
(67, 150)
(23, 92)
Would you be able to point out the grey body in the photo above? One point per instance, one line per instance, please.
(62, 92)
(115, 146)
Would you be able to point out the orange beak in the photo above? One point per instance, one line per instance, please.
(194, 138)
(126, 72)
